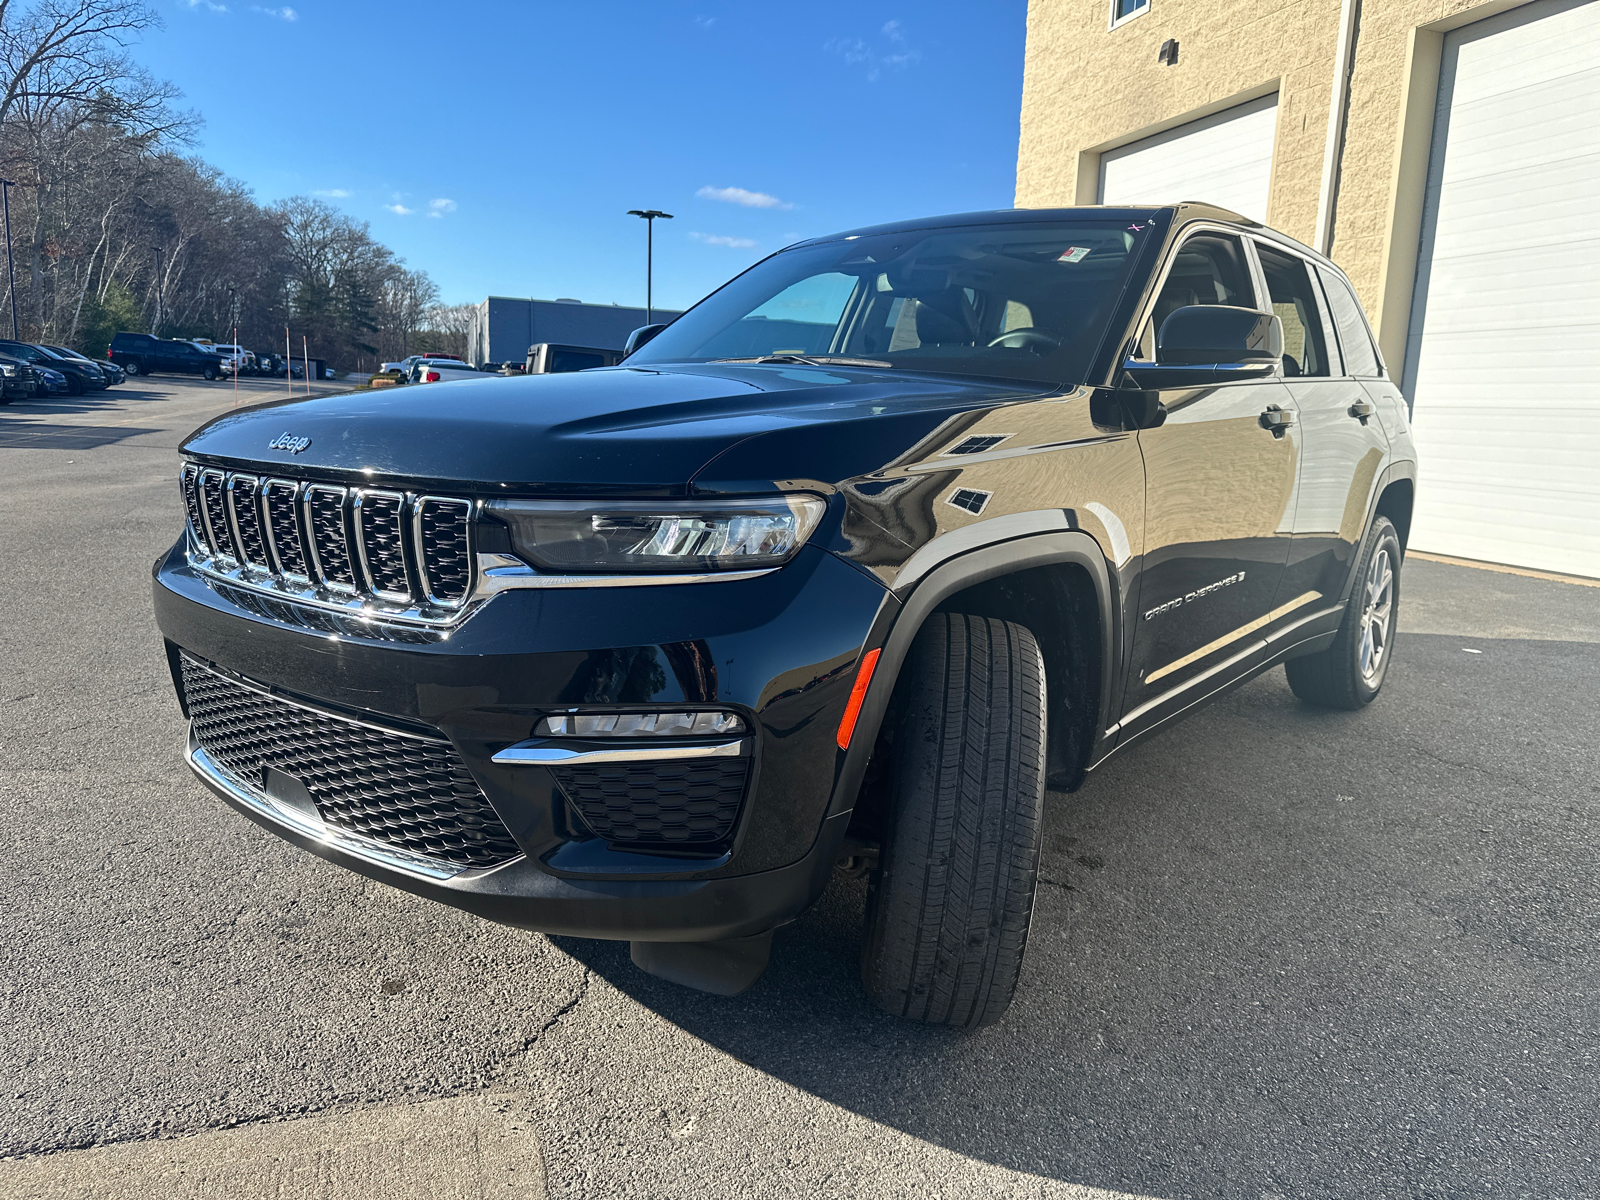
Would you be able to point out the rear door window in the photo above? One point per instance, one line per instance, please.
(1294, 300)
(1360, 356)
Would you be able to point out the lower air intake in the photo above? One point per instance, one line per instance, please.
(399, 789)
(683, 804)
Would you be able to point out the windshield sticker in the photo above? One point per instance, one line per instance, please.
(1136, 228)
(1074, 254)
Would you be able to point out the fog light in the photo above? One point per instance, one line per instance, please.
(641, 724)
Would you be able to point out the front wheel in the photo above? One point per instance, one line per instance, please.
(1349, 673)
(210, 373)
(949, 906)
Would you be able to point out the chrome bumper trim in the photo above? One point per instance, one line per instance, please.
(395, 859)
(503, 573)
(544, 753)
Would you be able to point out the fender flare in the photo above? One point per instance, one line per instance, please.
(897, 626)
(1400, 469)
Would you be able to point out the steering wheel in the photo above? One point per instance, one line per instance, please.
(1026, 338)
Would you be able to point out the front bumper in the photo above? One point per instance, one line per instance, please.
(780, 649)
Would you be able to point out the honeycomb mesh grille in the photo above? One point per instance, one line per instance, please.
(191, 502)
(408, 792)
(212, 484)
(242, 490)
(372, 544)
(442, 525)
(689, 803)
(383, 542)
(325, 516)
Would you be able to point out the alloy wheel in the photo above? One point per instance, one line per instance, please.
(1377, 615)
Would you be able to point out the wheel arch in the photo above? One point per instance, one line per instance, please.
(1059, 586)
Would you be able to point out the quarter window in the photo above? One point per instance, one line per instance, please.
(1360, 357)
(1290, 288)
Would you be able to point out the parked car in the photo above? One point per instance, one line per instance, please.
(112, 373)
(442, 370)
(268, 363)
(53, 382)
(81, 376)
(18, 381)
(405, 364)
(142, 354)
(643, 652)
(547, 358)
(235, 358)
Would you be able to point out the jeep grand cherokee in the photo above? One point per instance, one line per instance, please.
(846, 565)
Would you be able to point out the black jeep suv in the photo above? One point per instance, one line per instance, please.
(844, 566)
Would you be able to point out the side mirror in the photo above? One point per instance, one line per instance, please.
(639, 337)
(1204, 344)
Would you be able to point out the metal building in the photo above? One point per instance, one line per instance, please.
(503, 327)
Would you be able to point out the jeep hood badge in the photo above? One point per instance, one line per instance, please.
(288, 441)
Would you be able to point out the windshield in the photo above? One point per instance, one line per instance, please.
(1020, 301)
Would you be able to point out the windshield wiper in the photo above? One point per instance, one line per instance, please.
(810, 360)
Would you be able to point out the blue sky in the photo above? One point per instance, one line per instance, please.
(498, 144)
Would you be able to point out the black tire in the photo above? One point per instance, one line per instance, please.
(131, 368)
(74, 386)
(949, 905)
(210, 373)
(1340, 676)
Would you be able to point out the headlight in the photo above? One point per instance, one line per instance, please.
(659, 535)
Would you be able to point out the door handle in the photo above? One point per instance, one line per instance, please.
(1277, 420)
(1361, 410)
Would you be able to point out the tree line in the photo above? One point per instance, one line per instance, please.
(115, 226)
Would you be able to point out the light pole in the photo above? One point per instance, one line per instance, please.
(11, 271)
(157, 249)
(649, 215)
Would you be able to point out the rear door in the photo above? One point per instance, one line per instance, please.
(1345, 449)
(1219, 501)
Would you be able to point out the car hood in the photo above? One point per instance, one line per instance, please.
(641, 431)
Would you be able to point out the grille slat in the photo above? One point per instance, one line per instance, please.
(306, 539)
(410, 792)
(243, 491)
(691, 803)
(283, 526)
(442, 530)
(380, 526)
(189, 482)
(219, 538)
(330, 547)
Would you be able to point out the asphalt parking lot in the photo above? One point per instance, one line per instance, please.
(1278, 954)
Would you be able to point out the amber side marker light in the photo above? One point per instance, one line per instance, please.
(847, 726)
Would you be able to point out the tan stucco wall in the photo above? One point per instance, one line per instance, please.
(1087, 89)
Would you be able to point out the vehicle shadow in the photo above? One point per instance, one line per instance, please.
(1271, 955)
(45, 435)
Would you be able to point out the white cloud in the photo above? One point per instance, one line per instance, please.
(283, 14)
(333, 193)
(208, 5)
(897, 55)
(400, 210)
(738, 195)
(438, 208)
(717, 239)
(705, 22)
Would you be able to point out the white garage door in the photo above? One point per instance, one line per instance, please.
(1503, 356)
(1223, 159)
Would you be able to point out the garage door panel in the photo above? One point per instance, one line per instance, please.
(1224, 159)
(1505, 325)
(1481, 218)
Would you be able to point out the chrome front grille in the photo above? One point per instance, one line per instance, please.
(395, 554)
